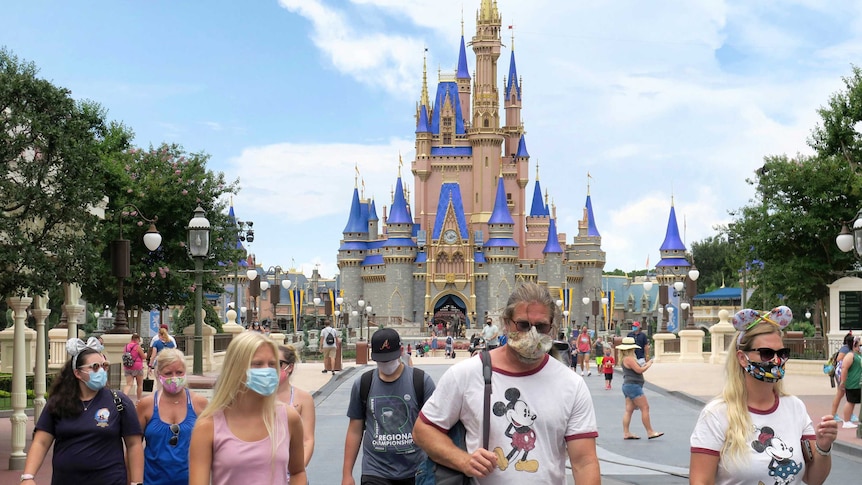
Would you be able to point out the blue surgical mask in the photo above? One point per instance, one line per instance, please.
(263, 381)
(97, 380)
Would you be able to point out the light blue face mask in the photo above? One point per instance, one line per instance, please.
(97, 380)
(263, 381)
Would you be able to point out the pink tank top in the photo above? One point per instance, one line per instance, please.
(236, 461)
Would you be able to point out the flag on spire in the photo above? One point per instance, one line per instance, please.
(647, 261)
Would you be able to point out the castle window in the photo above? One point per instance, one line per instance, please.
(486, 162)
(447, 138)
(447, 122)
(486, 123)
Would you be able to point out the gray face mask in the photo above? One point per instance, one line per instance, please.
(390, 367)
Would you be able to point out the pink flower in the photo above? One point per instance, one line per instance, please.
(152, 274)
(185, 192)
(140, 223)
(192, 288)
(128, 191)
(177, 172)
(182, 244)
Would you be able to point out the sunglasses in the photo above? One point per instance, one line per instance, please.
(767, 354)
(96, 366)
(524, 326)
(175, 429)
(284, 364)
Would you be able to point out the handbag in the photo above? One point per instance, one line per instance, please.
(148, 383)
(444, 475)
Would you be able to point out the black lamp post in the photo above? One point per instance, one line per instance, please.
(121, 262)
(597, 299)
(244, 232)
(199, 245)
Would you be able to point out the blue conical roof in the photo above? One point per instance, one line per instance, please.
(592, 230)
(537, 209)
(422, 123)
(372, 212)
(355, 223)
(512, 81)
(672, 241)
(463, 72)
(522, 148)
(398, 213)
(501, 213)
(553, 244)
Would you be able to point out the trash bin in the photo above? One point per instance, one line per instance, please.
(337, 363)
(361, 352)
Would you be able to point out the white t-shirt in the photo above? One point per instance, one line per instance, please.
(774, 443)
(490, 334)
(326, 331)
(540, 411)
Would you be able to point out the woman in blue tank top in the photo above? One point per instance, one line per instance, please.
(167, 418)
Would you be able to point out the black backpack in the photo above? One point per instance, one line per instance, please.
(128, 358)
(330, 338)
(365, 388)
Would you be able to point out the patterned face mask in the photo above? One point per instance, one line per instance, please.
(530, 345)
(765, 371)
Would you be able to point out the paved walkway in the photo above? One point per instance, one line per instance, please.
(695, 383)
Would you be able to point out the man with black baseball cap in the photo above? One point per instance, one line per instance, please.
(384, 404)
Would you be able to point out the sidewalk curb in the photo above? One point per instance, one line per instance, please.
(324, 391)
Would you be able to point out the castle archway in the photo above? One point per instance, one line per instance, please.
(450, 314)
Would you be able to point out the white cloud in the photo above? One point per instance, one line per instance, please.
(641, 94)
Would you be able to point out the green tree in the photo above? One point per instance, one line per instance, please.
(166, 183)
(51, 179)
(712, 258)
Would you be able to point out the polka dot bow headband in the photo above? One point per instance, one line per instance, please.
(74, 347)
(745, 320)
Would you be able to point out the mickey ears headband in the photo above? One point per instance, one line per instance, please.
(745, 320)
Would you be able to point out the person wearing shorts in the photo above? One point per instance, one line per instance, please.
(585, 344)
(850, 380)
(607, 367)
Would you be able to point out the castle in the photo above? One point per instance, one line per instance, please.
(471, 234)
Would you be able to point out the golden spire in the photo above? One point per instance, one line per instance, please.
(546, 196)
(356, 176)
(512, 28)
(462, 20)
(425, 82)
(537, 170)
(400, 163)
(589, 177)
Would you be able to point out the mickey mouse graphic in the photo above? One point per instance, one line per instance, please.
(521, 419)
(782, 468)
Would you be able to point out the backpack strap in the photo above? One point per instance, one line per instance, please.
(419, 385)
(364, 389)
(486, 414)
(117, 401)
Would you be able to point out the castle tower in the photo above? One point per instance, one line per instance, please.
(553, 261)
(352, 250)
(501, 251)
(537, 223)
(671, 268)
(399, 252)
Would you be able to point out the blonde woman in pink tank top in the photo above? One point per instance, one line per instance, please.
(245, 435)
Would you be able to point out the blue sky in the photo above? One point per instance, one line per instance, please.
(656, 100)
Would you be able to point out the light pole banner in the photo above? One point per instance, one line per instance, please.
(673, 301)
(154, 322)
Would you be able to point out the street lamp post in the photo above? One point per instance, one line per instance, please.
(121, 262)
(316, 311)
(338, 302)
(597, 299)
(275, 294)
(199, 244)
(286, 285)
(253, 292)
(686, 291)
(244, 232)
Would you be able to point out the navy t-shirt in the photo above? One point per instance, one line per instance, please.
(88, 448)
(640, 339)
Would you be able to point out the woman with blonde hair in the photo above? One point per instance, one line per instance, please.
(296, 397)
(754, 431)
(167, 418)
(633, 389)
(245, 434)
(163, 342)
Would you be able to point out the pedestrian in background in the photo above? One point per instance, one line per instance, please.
(585, 344)
(754, 432)
(642, 353)
(839, 391)
(633, 389)
(851, 374)
(164, 341)
(245, 434)
(167, 418)
(135, 372)
(607, 366)
(94, 430)
(293, 396)
(328, 345)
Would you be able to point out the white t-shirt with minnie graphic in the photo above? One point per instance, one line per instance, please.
(774, 443)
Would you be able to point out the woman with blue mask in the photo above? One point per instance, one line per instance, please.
(245, 434)
(94, 430)
(754, 431)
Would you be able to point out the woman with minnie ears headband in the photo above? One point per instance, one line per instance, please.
(94, 430)
(245, 434)
(167, 418)
(755, 432)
